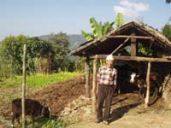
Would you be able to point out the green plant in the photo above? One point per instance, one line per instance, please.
(167, 31)
(146, 51)
(54, 124)
(98, 29)
(119, 20)
(38, 80)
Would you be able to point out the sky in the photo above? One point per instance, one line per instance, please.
(42, 17)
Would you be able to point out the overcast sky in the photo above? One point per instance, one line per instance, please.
(40, 17)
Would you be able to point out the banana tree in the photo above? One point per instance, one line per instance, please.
(98, 29)
(119, 20)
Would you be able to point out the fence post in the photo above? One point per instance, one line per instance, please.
(23, 86)
(94, 84)
(87, 76)
(147, 98)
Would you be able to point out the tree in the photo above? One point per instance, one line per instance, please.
(167, 31)
(5, 66)
(168, 1)
(60, 44)
(119, 20)
(99, 29)
(40, 55)
(12, 51)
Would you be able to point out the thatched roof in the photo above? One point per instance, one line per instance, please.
(106, 44)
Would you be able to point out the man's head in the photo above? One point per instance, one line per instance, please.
(109, 61)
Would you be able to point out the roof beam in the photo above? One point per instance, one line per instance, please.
(134, 58)
(132, 36)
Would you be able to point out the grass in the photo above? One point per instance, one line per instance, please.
(38, 80)
(47, 123)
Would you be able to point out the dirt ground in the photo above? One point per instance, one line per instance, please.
(58, 95)
(127, 109)
(55, 96)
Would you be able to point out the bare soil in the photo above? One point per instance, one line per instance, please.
(54, 96)
(127, 109)
(58, 95)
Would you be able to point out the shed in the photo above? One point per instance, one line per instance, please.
(125, 44)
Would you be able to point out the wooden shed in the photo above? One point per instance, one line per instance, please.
(127, 44)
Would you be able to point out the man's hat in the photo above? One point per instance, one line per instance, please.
(110, 57)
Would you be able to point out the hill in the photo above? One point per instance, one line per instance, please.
(74, 39)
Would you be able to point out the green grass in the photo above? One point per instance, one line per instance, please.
(47, 123)
(39, 80)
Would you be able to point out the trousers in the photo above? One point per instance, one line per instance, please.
(104, 97)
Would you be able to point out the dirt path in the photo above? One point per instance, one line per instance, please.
(129, 112)
(130, 120)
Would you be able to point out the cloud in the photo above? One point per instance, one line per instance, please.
(130, 9)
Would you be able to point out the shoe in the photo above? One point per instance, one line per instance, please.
(106, 122)
(98, 121)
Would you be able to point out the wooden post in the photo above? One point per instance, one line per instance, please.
(133, 45)
(94, 84)
(23, 86)
(148, 85)
(87, 76)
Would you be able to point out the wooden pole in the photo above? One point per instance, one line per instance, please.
(148, 85)
(134, 58)
(94, 84)
(87, 76)
(23, 86)
(133, 45)
(126, 36)
(115, 50)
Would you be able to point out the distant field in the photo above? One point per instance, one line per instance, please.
(39, 80)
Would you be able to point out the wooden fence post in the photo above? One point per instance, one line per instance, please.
(148, 85)
(23, 86)
(87, 77)
(94, 84)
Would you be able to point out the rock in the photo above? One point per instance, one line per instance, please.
(77, 107)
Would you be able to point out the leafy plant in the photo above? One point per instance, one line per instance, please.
(142, 49)
(167, 31)
(98, 29)
(54, 124)
(119, 20)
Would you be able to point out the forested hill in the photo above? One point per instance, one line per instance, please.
(74, 39)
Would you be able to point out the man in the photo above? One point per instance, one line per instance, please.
(106, 82)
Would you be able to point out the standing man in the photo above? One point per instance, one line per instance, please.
(106, 82)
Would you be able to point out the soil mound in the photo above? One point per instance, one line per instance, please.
(58, 95)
